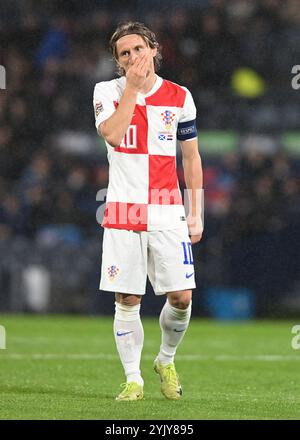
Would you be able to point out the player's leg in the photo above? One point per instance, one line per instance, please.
(124, 271)
(129, 337)
(172, 272)
(174, 320)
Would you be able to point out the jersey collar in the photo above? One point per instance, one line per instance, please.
(154, 89)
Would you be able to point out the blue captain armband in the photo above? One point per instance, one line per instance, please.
(186, 130)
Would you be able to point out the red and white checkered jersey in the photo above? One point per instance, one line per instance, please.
(143, 191)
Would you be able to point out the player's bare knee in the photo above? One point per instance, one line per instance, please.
(127, 299)
(182, 305)
(180, 300)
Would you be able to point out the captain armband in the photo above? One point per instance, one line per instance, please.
(186, 130)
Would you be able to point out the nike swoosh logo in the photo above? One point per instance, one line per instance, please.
(123, 333)
(178, 331)
(188, 275)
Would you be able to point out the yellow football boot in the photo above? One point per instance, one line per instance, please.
(131, 391)
(170, 385)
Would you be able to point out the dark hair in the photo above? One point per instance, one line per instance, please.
(134, 27)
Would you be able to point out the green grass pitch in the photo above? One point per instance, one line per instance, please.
(62, 367)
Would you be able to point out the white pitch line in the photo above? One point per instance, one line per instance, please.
(183, 357)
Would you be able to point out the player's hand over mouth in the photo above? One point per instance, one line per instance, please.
(138, 71)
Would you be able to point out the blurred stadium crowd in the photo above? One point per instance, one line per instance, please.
(236, 58)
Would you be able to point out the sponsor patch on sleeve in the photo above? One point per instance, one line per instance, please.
(98, 108)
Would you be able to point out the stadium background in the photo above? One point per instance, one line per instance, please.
(236, 57)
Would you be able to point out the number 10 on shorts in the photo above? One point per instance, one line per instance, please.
(187, 251)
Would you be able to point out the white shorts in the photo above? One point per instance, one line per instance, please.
(129, 256)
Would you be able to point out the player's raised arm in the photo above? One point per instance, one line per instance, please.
(136, 62)
(114, 128)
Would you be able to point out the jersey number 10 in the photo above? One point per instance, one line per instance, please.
(129, 140)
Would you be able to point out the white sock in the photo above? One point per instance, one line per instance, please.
(129, 337)
(173, 323)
